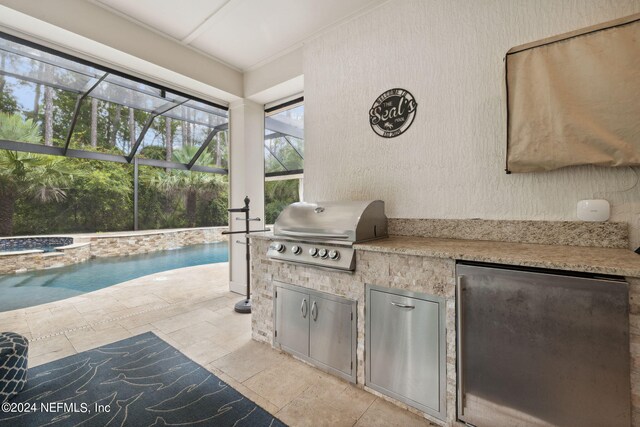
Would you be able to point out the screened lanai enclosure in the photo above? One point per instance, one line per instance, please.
(283, 156)
(87, 148)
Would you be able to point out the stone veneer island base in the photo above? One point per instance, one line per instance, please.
(427, 265)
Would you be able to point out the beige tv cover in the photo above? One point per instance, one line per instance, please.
(574, 99)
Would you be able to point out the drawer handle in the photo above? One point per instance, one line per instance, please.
(303, 307)
(397, 304)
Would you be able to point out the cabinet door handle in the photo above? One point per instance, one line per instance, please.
(303, 307)
(397, 304)
(314, 311)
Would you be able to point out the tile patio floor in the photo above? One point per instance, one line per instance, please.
(192, 309)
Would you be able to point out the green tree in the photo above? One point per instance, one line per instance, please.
(285, 154)
(41, 177)
(277, 195)
(221, 149)
(214, 211)
(102, 198)
(8, 103)
(152, 152)
(190, 185)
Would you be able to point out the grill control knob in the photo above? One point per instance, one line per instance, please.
(313, 252)
(279, 247)
(323, 253)
(297, 250)
(334, 254)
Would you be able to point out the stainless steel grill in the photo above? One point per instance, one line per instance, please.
(323, 234)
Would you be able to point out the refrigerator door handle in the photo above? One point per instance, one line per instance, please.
(460, 319)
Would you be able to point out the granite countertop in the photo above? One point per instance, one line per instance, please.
(261, 235)
(621, 262)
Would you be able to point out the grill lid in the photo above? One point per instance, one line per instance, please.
(346, 221)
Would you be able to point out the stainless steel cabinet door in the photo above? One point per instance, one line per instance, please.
(330, 332)
(404, 348)
(292, 320)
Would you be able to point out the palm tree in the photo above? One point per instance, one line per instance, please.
(189, 184)
(41, 177)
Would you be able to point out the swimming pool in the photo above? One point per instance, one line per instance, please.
(38, 287)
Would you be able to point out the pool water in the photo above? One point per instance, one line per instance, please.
(38, 287)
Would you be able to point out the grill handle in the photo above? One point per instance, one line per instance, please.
(294, 233)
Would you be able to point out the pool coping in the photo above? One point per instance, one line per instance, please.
(23, 252)
(72, 246)
(112, 234)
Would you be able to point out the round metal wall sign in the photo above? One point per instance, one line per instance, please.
(392, 113)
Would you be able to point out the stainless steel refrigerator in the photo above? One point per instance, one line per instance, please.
(539, 348)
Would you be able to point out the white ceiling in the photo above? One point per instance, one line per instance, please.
(241, 33)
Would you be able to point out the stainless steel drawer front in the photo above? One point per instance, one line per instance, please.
(405, 348)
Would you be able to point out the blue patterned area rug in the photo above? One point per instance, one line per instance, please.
(140, 381)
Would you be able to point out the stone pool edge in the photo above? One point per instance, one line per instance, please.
(86, 246)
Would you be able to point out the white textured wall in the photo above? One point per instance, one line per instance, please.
(450, 163)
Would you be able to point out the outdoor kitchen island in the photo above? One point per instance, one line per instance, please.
(427, 265)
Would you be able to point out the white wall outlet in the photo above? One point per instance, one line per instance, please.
(594, 210)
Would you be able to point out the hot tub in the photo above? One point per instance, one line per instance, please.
(46, 244)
